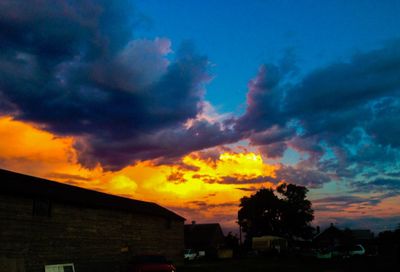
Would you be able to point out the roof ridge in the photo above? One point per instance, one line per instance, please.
(61, 191)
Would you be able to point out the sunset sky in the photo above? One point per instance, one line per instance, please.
(195, 104)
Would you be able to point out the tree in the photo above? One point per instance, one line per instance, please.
(258, 214)
(296, 211)
(232, 242)
(284, 211)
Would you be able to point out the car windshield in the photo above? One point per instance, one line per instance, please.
(356, 248)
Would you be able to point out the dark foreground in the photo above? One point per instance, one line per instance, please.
(291, 264)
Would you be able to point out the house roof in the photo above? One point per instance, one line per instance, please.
(203, 235)
(329, 233)
(333, 233)
(17, 184)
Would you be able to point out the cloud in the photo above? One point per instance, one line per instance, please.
(206, 205)
(275, 150)
(211, 156)
(272, 135)
(385, 185)
(177, 177)
(248, 189)
(141, 63)
(345, 85)
(305, 177)
(393, 174)
(264, 99)
(384, 125)
(75, 70)
(342, 118)
(66, 176)
(60, 28)
(172, 142)
(235, 179)
(338, 203)
(374, 223)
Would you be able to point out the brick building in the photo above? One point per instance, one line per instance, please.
(44, 223)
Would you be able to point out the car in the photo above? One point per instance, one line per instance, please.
(357, 250)
(341, 252)
(151, 263)
(324, 253)
(190, 255)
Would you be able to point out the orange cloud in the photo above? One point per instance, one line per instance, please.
(25, 148)
(204, 186)
(184, 186)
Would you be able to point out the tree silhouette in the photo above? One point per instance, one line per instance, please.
(284, 212)
(259, 214)
(296, 211)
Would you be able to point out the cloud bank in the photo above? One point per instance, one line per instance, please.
(75, 68)
(343, 118)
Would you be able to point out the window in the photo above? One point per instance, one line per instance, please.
(41, 207)
(59, 268)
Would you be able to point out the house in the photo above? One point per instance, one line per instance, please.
(334, 236)
(49, 226)
(204, 237)
(329, 238)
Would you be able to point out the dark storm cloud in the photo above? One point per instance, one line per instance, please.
(384, 127)
(248, 189)
(338, 168)
(75, 69)
(344, 116)
(211, 157)
(306, 177)
(336, 203)
(171, 142)
(244, 180)
(370, 154)
(394, 174)
(310, 178)
(345, 85)
(272, 135)
(263, 101)
(58, 29)
(235, 179)
(326, 99)
(383, 185)
(275, 150)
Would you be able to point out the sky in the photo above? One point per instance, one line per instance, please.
(195, 104)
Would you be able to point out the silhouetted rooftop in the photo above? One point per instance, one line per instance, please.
(17, 184)
(203, 235)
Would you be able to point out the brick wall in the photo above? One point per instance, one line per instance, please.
(93, 239)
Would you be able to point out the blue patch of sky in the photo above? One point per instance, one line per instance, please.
(238, 36)
(292, 157)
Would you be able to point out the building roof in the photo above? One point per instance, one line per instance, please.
(328, 234)
(21, 185)
(200, 236)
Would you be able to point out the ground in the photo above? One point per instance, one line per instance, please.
(290, 264)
